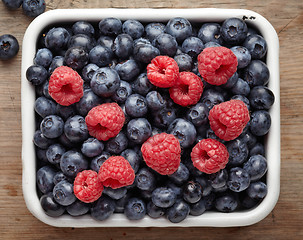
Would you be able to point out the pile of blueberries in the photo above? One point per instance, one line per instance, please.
(31, 8)
(125, 48)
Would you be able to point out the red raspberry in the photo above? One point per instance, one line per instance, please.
(188, 89)
(228, 119)
(162, 153)
(116, 172)
(217, 64)
(163, 71)
(65, 86)
(87, 186)
(105, 121)
(209, 155)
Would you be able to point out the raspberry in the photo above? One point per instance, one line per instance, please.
(217, 64)
(209, 155)
(162, 153)
(105, 121)
(65, 86)
(228, 119)
(116, 172)
(187, 90)
(87, 186)
(163, 71)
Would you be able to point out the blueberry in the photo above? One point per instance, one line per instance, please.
(243, 99)
(198, 114)
(52, 126)
(142, 85)
(241, 87)
(210, 201)
(65, 111)
(233, 30)
(44, 107)
(256, 166)
(76, 57)
(163, 197)
(210, 32)
(101, 56)
(211, 97)
(57, 38)
(256, 73)
(87, 102)
(123, 46)
(133, 158)
(248, 202)
(50, 206)
(184, 131)
(92, 147)
(103, 208)
(106, 41)
(166, 43)
(88, 72)
(219, 178)
(123, 92)
(198, 208)
(136, 105)
(155, 101)
(257, 190)
(82, 40)
(180, 28)
(33, 8)
(153, 30)
(115, 194)
(261, 97)
(75, 129)
(78, 208)
(260, 122)
(36, 74)
(105, 82)
(83, 27)
(60, 176)
(257, 149)
(120, 203)
(238, 152)
(135, 209)
(43, 57)
(73, 162)
(192, 46)
(192, 192)
(145, 179)
(178, 212)
(243, 56)
(117, 144)
(248, 138)
(44, 178)
(211, 44)
(154, 211)
(184, 61)
(97, 161)
(256, 46)
(205, 184)
(238, 179)
(226, 203)
(57, 61)
(138, 130)
(54, 153)
(110, 26)
(181, 175)
(144, 52)
(41, 141)
(12, 4)
(231, 81)
(133, 28)
(128, 70)
(63, 193)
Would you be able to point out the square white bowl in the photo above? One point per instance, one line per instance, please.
(199, 15)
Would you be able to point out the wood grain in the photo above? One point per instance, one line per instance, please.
(284, 222)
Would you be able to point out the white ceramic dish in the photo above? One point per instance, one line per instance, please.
(214, 219)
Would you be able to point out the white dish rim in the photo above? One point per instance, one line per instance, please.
(208, 219)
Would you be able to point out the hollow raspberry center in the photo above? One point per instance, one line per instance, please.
(100, 128)
(222, 69)
(67, 89)
(205, 156)
(184, 89)
(113, 183)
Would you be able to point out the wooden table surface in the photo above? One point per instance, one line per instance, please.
(284, 222)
